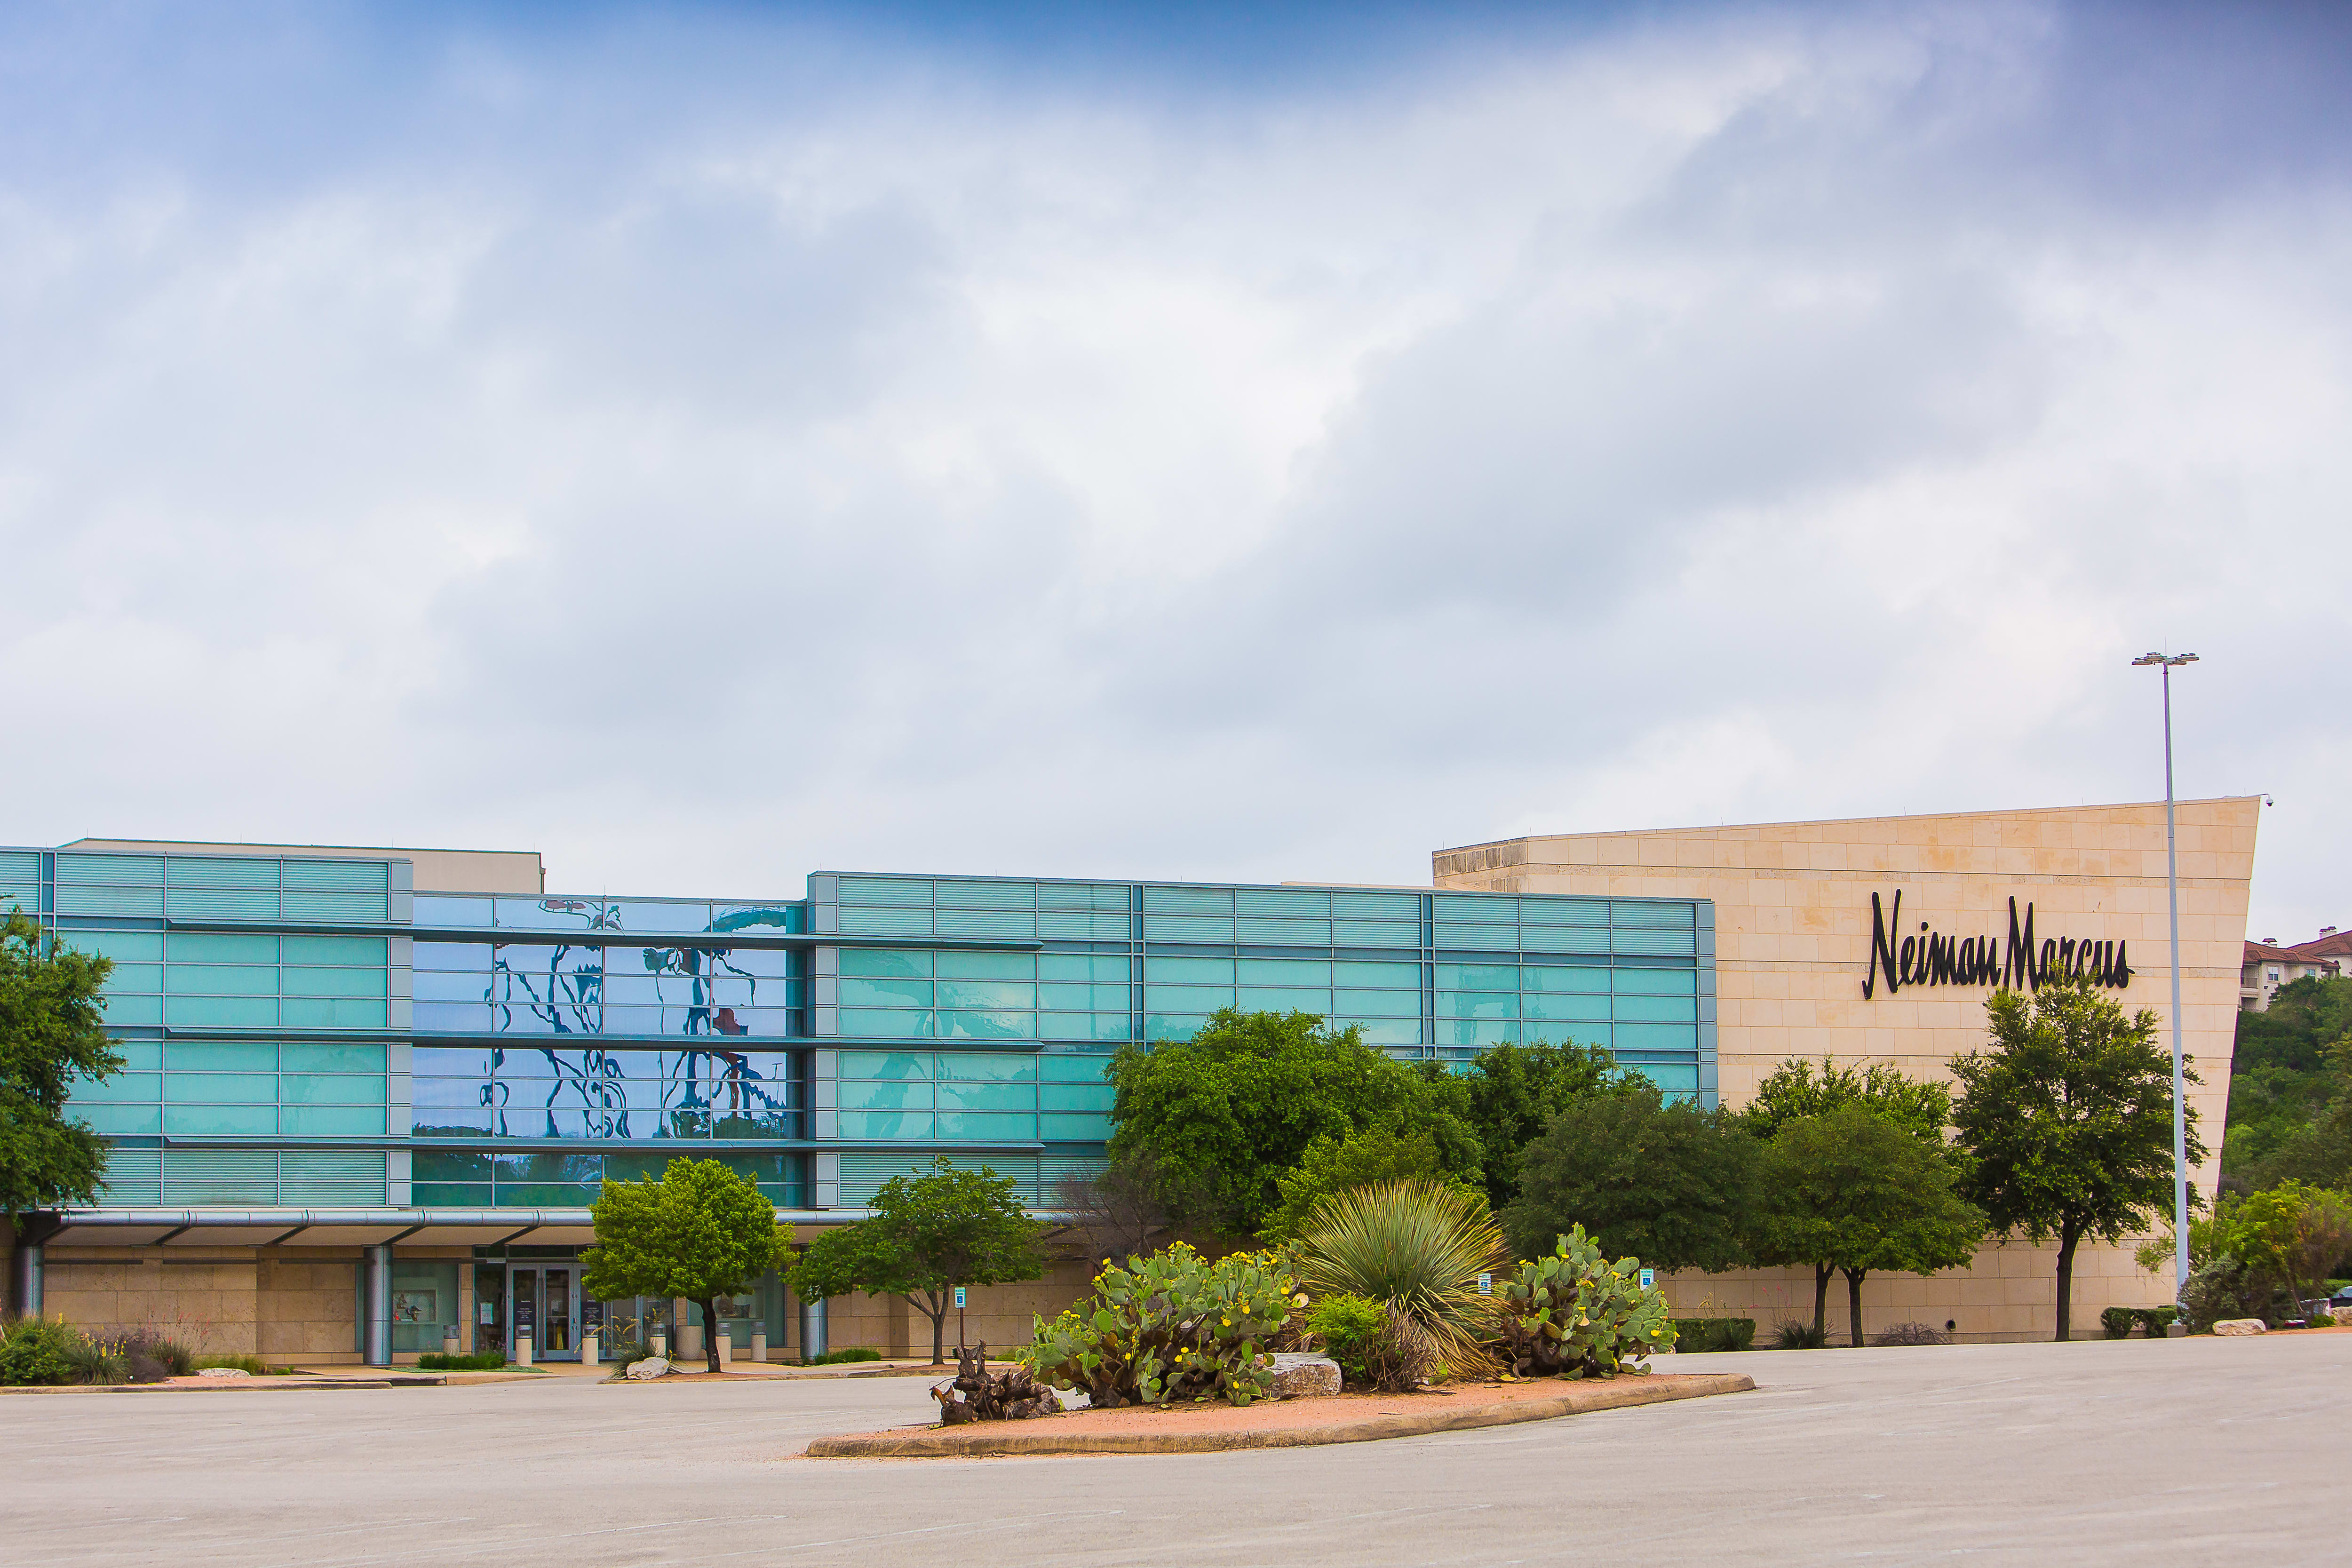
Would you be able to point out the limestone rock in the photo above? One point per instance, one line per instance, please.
(1298, 1375)
(648, 1369)
(222, 1372)
(2234, 1326)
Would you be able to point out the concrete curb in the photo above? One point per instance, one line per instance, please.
(1025, 1437)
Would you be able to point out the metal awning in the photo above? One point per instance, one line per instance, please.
(351, 1228)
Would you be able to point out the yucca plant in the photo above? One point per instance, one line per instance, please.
(1418, 1247)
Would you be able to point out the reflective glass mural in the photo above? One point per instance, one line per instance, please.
(512, 1091)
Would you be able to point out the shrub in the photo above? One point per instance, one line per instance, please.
(2155, 1320)
(1695, 1334)
(1418, 1248)
(1910, 1334)
(837, 1358)
(1577, 1313)
(154, 1356)
(34, 1352)
(2226, 1287)
(1798, 1335)
(252, 1363)
(2117, 1321)
(1167, 1328)
(480, 1360)
(96, 1361)
(1347, 1326)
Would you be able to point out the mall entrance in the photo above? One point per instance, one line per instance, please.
(542, 1299)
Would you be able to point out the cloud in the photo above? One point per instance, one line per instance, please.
(709, 449)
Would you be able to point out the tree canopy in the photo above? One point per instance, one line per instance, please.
(1508, 1093)
(2290, 1114)
(51, 1034)
(1671, 1184)
(1365, 1158)
(2067, 1119)
(1224, 1114)
(929, 1234)
(697, 1231)
(1796, 1089)
(1853, 1189)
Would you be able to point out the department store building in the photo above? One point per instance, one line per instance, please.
(371, 1094)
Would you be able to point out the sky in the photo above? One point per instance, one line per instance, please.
(708, 445)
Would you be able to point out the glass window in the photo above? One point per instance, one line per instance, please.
(1084, 999)
(1284, 999)
(1656, 1037)
(1283, 972)
(1671, 1077)
(331, 1120)
(984, 993)
(219, 947)
(875, 1024)
(223, 1056)
(1658, 1009)
(1074, 1129)
(1171, 1025)
(986, 1124)
(1377, 1004)
(333, 982)
(122, 946)
(766, 962)
(454, 1016)
(140, 1055)
(1554, 1032)
(452, 1061)
(432, 986)
(122, 1120)
(337, 950)
(1189, 971)
(125, 977)
(973, 1025)
(1478, 977)
(1457, 1031)
(330, 1089)
(126, 1011)
(1381, 976)
(887, 963)
(891, 1094)
(1082, 966)
(1084, 1025)
(884, 993)
(220, 1120)
(1478, 1003)
(121, 1086)
(1094, 1098)
(1657, 982)
(223, 980)
(332, 1013)
(877, 1124)
(1186, 998)
(960, 964)
(1387, 1031)
(449, 910)
(1539, 1005)
(967, 1096)
(886, 1063)
(462, 955)
(1561, 978)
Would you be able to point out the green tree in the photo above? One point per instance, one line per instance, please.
(51, 1034)
(2315, 1149)
(1853, 1189)
(927, 1236)
(1508, 1094)
(1224, 1114)
(696, 1231)
(2067, 1119)
(2286, 1083)
(1671, 1184)
(1360, 1160)
(1797, 1089)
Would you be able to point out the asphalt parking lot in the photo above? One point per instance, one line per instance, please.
(2187, 1451)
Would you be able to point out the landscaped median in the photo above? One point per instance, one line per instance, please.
(1280, 1424)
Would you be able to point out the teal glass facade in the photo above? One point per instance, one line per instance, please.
(315, 1032)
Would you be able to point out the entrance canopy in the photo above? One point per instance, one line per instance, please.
(350, 1228)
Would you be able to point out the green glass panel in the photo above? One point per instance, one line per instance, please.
(330, 1089)
(1673, 1077)
(973, 1025)
(122, 946)
(893, 1094)
(986, 1124)
(1069, 1129)
(1477, 1005)
(1186, 998)
(332, 1013)
(1386, 1031)
(331, 1120)
(1084, 998)
(220, 947)
(1658, 1009)
(1536, 1004)
(223, 980)
(1477, 1031)
(1091, 1097)
(130, 977)
(221, 1121)
(1082, 966)
(1283, 972)
(320, 1056)
(875, 1023)
(1549, 977)
(888, 962)
(122, 1086)
(549, 1194)
(956, 966)
(1378, 976)
(132, 1012)
(1377, 1004)
(1283, 999)
(1171, 1025)
(450, 1195)
(987, 1067)
(1073, 1066)
(450, 1165)
(140, 1055)
(983, 994)
(856, 1124)
(886, 993)
(112, 1120)
(1656, 982)
(223, 1056)
(1656, 1037)
(1478, 977)
(886, 1063)
(361, 951)
(1083, 1026)
(988, 1096)
(1189, 971)
(1571, 1034)
(332, 982)
(259, 1087)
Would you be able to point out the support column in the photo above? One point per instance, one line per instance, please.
(31, 1282)
(378, 1297)
(812, 1329)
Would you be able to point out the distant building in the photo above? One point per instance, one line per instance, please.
(2269, 966)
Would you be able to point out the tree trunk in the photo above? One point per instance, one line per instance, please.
(934, 1306)
(2067, 1238)
(1822, 1272)
(710, 1331)
(1853, 1304)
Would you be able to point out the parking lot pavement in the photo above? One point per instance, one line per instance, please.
(2188, 1451)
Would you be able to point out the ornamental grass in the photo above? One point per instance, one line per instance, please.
(1418, 1247)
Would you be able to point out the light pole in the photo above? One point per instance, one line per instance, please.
(2172, 891)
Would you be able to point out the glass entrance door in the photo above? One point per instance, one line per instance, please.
(540, 1303)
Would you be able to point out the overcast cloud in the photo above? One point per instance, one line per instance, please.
(709, 448)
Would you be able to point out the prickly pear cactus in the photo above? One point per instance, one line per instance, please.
(1167, 1329)
(1576, 1313)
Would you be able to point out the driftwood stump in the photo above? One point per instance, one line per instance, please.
(975, 1393)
